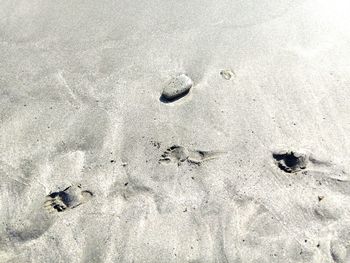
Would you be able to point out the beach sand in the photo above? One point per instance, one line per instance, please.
(250, 163)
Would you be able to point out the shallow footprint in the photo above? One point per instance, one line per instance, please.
(290, 161)
(198, 156)
(174, 154)
(69, 198)
(179, 154)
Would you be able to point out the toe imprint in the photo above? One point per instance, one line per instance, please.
(69, 198)
(174, 154)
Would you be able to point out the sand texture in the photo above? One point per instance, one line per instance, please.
(244, 158)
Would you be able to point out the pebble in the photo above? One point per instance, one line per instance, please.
(176, 88)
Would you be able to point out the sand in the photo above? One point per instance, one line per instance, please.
(250, 165)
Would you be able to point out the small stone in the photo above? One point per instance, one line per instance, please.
(227, 74)
(176, 88)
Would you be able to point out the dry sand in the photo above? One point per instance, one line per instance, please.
(251, 165)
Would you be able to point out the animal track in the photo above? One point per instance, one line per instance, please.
(179, 154)
(69, 198)
(291, 162)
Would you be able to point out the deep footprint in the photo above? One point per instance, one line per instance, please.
(179, 154)
(291, 162)
(69, 198)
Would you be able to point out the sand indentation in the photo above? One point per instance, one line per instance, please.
(227, 74)
(69, 198)
(179, 154)
(290, 161)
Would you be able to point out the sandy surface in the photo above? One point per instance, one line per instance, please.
(253, 167)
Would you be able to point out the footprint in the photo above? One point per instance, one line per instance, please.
(179, 154)
(176, 88)
(69, 198)
(290, 161)
(175, 154)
